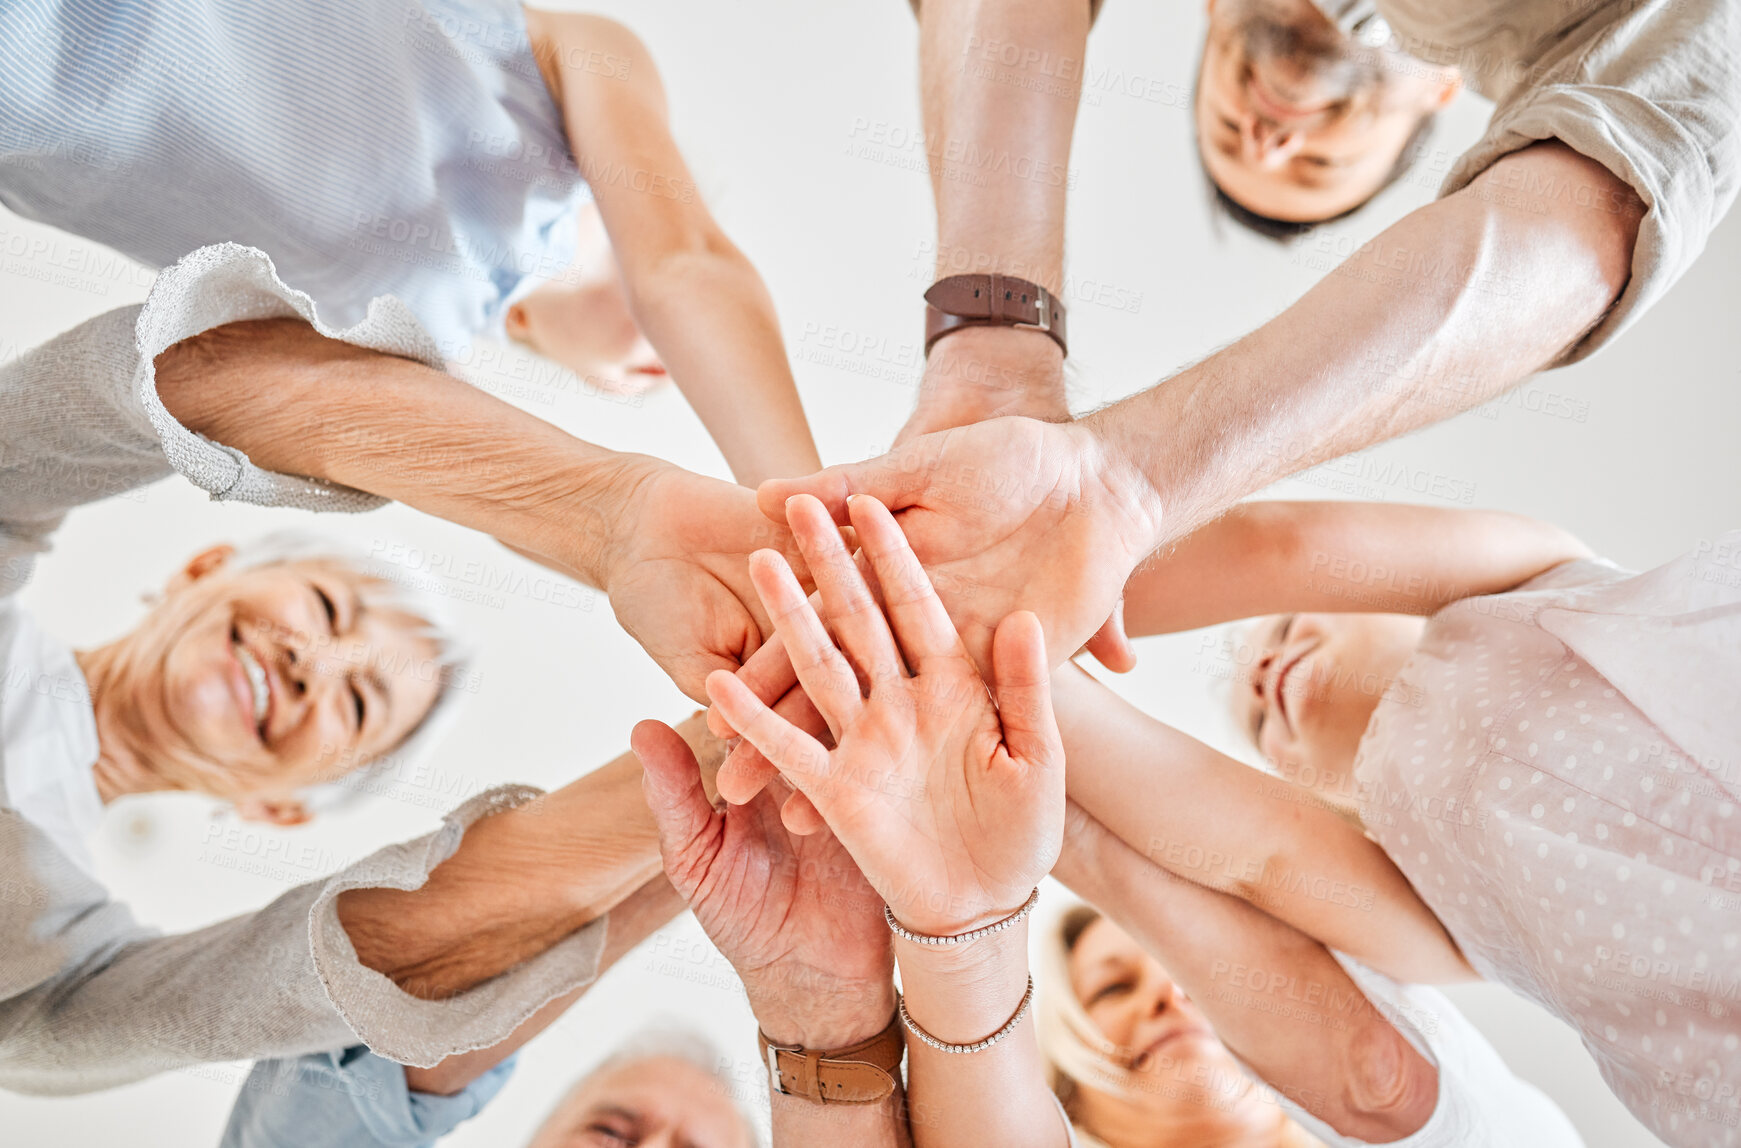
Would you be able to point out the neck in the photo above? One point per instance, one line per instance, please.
(1204, 1120)
(120, 769)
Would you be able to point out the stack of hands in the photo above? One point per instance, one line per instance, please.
(904, 779)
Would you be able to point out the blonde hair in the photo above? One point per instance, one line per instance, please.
(1077, 1053)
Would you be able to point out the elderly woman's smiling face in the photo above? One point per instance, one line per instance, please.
(257, 682)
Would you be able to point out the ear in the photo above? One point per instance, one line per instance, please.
(280, 811)
(1447, 91)
(203, 563)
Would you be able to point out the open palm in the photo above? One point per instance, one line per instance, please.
(951, 805)
(793, 914)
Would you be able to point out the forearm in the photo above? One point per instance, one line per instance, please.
(710, 317)
(519, 882)
(299, 403)
(1278, 999)
(1280, 557)
(632, 921)
(1008, 218)
(1231, 828)
(1452, 305)
(998, 1095)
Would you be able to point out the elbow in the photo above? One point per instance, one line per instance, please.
(1392, 1090)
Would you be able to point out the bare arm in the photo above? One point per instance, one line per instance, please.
(1229, 827)
(633, 920)
(1279, 557)
(1009, 217)
(1454, 304)
(519, 882)
(1335, 1055)
(701, 303)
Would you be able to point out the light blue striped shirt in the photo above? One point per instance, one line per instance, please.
(370, 147)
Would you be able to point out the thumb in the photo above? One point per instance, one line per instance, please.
(890, 479)
(1022, 688)
(671, 781)
(1109, 645)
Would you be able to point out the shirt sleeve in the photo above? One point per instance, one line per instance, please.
(80, 418)
(1652, 92)
(1481, 1102)
(348, 1099)
(90, 1000)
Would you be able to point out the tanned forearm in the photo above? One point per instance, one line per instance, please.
(1231, 828)
(1449, 307)
(520, 881)
(1332, 1051)
(998, 139)
(299, 403)
(700, 302)
(632, 921)
(1280, 557)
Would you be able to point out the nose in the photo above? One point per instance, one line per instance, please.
(1267, 143)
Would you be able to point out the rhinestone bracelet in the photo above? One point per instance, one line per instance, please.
(907, 934)
(978, 1045)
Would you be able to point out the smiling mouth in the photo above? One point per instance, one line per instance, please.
(1146, 1057)
(257, 683)
(1281, 687)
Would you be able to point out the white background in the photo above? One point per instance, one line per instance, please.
(780, 106)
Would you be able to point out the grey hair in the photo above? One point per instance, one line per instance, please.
(388, 589)
(665, 1042)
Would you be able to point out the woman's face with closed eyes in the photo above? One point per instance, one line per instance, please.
(254, 683)
(1311, 684)
(653, 1102)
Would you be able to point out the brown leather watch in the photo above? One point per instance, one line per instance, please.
(991, 301)
(862, 1074)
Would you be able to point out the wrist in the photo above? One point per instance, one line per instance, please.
(1134, 501)
(595, 527)
(962, 995)
(819, 1012)
(998, 366)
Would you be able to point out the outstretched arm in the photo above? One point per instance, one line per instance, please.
(668, 546)
(1281, 557)
(1452, 305)
(1336, 1056)
(1009, 216)
(701, 303)
(1228, 827)
(519, 882)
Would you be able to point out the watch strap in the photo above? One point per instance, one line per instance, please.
(993, 300)
(862, 1074)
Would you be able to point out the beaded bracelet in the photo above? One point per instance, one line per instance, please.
(978, 1045)
(907, 934)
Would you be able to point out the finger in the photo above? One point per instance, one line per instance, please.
(671, 781)
(822, 669)
(1022, 687)
(745, 771)
(847, 605)
(799, 816)
(769, 675)
(895, 479)
(799, 757)
(1109, 645)
(921, 625)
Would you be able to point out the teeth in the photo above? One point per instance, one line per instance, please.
(256, 679)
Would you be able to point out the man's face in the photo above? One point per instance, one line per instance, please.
(653, 1102)
(1295, 120)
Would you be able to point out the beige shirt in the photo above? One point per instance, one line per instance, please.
(1652, 91)
(89, 998)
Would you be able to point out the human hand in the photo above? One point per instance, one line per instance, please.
(792, 913)
(677, 572)
(951, 805)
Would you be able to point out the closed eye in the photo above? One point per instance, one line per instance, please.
(1108, 990)
(326, 605)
